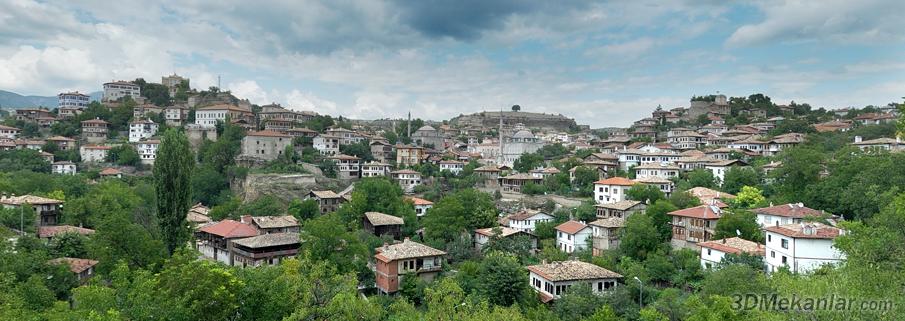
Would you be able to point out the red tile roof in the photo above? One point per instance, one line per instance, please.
(420, 201)
(267, 133)
(621, 181)
(571, 227)
(230, 229)
(806, 230)
(792, 210)
(51, 231)
(75, 265)
(706, 212)
(735, 245)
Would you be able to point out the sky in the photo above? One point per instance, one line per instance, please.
(604, 63)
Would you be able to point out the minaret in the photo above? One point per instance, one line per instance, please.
(500, 134)
(409, 125)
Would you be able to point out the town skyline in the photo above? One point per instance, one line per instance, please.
(604, 64)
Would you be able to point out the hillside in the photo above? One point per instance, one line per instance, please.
(10, 99)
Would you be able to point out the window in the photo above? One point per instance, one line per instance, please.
(708, 251)
(769, 237)
(785, 243)
(773, 254)
(784, 260)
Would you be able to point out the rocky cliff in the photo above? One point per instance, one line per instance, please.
(284, 186)
(491, 119)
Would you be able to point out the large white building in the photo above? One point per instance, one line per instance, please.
(73, 100)
(526, 220)
(116, 90)
(407, 179)
(713, 252)
(93, 153)
(784, 214)
(63, 168)
(453, 166)
(551, 280)
(801, 247)
(611, 190)
(572, 236)
(147, 151)
(327, 144)
(522, 142)
(209, 116)
(142, 129)
(265, 145)
(9, 132)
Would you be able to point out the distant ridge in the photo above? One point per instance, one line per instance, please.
(13, 100)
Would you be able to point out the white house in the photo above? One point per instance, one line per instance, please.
(374, 169)
(572, 236)
(661, 170)
(611, 190)
(93, 153)
(118, 89)
(142, 129)
(75, 100)
(147, 151)
(551, 280)
(784, 214)
(801, 247)
(483, 236)
(8, 132)
(63, 168)
(407, 179)
(713, 252)
(452, 166)
(327, 144)
(719, 168)
(526, 220)
(421, 205)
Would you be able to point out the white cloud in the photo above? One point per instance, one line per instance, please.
(846, 21)
(298, 100)
(249, 89)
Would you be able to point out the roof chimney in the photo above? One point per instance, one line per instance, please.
(245, 219)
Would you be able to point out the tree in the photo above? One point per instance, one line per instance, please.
(530, 188)
(304, 210)
(124, 155)
(737, 177)
(701, 178)
(173, 169)
(644, 193)
(658, 212)
(640, 236)
(209, 186)
(118, 240)
(463, 210)
(23, 159)
(739, 223)
(579, 301)
(361, 150)
(327, 239)
(68, 245)
(584, 180)
(749, 197)
(501, 279)
(526, 162)
(516, 108)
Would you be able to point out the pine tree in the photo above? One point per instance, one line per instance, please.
(172, 177)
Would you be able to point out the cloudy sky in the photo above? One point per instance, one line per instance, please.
(603, 63)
